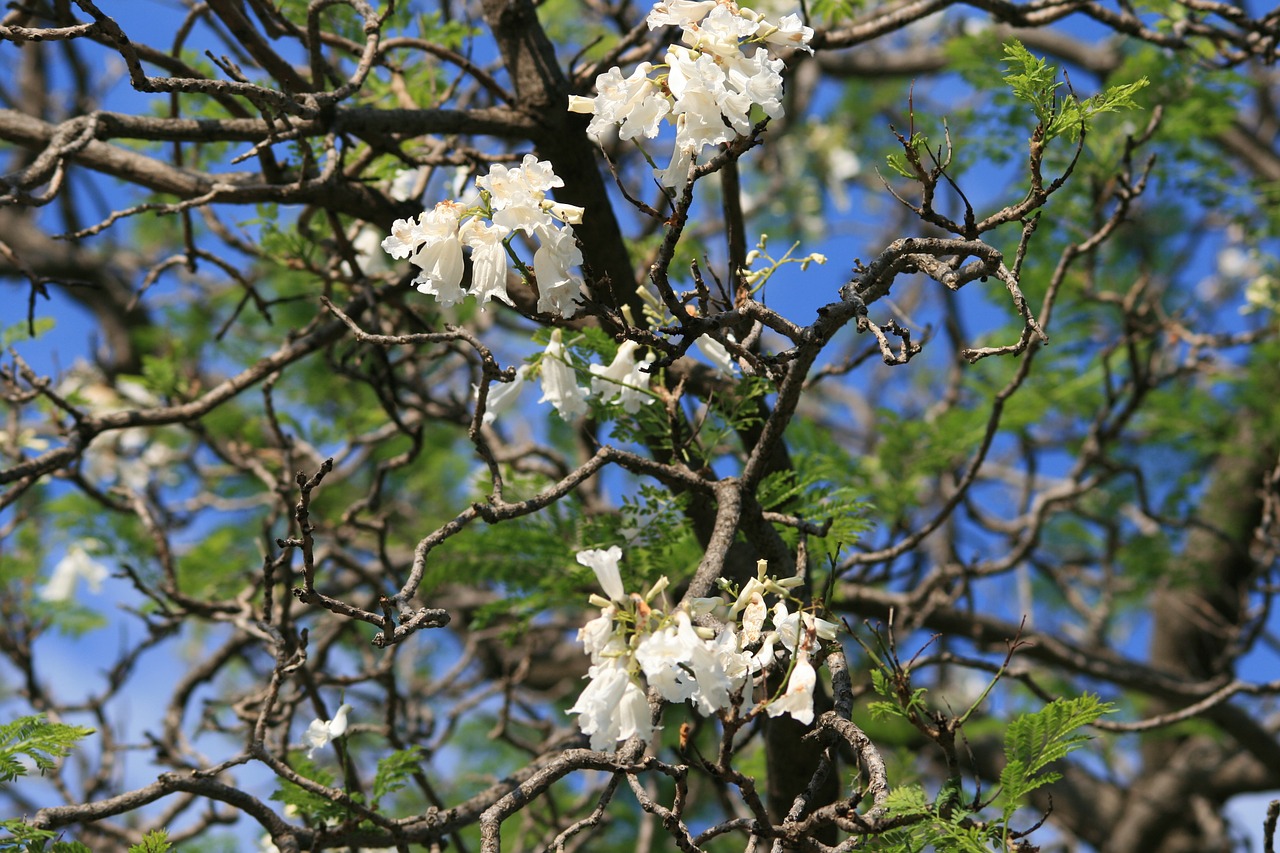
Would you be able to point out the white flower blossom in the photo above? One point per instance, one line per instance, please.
(664, 656)
(406, 235)
(559, 382)
(790, 31)
(75, 565)
(605, 565)
(440, 255)
(679, 13)
(517, 194)
(714, 79)
(624, 379)
(570, 214)
(599, 638)
(488, 260)
(636, 103)
(753, 616)
(788, 626)
(612, 707)
(558, 287)
(320, 732)
(502, 395)
(798, 698)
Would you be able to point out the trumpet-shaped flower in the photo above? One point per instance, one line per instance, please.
(517, 194)
(605, 565)
(790, 632)
(790, 31)
(680, 13)
(600, 637)
(320, 732)
(440, 255)
(406, 235)
(488, 260)
(664, 657)
(798, 698)
(624, 379)
(753, 616)
(559, 383)
(558, 287)
(612, 707)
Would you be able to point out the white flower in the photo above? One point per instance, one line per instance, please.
(320, 732)
(502, 395)
(753, 616)
(720, 33)
(488, 260)
(605, 565)
(712, 664)
(440, 255)
(74, 565)
(599, 637)
(623, 379)
(517, 194)
(559, 383)
(763, 659)
(698, 84)
(570, 214)
(664, 656)
(612, 707)
(788, 625)
(756, 79)
(677, 171)
(798, 699)
(789, 32)
(557, 286)
(406, 234)
(636, 103)
(679, 12)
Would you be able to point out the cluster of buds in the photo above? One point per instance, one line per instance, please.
(636, 645)
(511, 201)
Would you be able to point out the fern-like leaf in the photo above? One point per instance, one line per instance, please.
(39, 741)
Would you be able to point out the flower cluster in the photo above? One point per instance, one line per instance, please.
(625, 382)
(635, 646)
(511, 201)
(707, 86)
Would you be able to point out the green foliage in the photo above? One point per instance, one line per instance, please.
(21, 331)
(156, 841)
(1036, 82)
(20, 838)
(1034, 741)
(898, 161)
(393, 771)
(834, 11)
(310, 806)
(41, 742)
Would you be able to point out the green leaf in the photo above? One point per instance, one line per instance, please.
(1036, 82)
(43, 743)
(155, 841)
(1034, 741)
(311, 806)
(394, 771)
